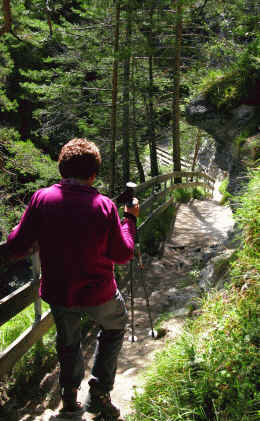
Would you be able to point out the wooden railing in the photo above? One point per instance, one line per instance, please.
(163, 185)
(165, 158)
(158, 196)
(13, 304)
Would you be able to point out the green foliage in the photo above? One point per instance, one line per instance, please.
(250, 151)
(31, 166)
(13, 328)
(229, 90)
(156, 231)
(223, 190)
(26, 170)
(58, 79)
(215, 362)
(198, 193)
(38, 360)
(6, 66)
(183, 195)
(248, 219)
(24, 380)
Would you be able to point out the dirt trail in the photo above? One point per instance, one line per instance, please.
(170, 285)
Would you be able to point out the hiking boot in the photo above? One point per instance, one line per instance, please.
(70, 404)
(99, 402)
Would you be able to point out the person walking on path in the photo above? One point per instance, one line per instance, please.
(80, 237)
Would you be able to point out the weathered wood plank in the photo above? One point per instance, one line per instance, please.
(21, 345)
(175, 174)
(17, 301)
(153, 181)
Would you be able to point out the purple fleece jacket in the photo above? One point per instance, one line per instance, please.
(80, 238)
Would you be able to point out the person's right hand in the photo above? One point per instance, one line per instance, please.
(134, 209)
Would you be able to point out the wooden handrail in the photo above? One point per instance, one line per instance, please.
(15, 302)
(24, 342)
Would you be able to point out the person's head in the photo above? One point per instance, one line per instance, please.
(79, 158)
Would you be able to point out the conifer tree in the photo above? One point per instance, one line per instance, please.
(7, 13)
(133, 122)
(150, 88)
(126, 94)
(114, 98)
(176, 91)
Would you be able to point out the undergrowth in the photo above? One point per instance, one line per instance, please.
(233, 86)
(212, 371)
(22, 382)
(155, 231)
(223, 190)
(26, 169)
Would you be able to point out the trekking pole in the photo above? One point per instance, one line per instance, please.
(126, 198)
(133, 338)
(141, 267)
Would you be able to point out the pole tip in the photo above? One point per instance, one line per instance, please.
(132, 338)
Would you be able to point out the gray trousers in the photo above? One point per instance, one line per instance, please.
(112, 318)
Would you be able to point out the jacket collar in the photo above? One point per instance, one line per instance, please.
(76, 184)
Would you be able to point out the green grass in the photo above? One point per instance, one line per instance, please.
(24, 378)
(211, 372)
(19, 323)
(185, 195)
(156, 231)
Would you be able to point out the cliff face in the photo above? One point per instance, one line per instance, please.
(227, 128)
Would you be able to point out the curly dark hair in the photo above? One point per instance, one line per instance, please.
(79, 158)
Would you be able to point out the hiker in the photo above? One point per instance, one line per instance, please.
(80, 237)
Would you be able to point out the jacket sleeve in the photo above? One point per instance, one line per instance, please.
(25, 234)
(121, 238)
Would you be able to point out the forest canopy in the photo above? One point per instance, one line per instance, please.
(118, 73)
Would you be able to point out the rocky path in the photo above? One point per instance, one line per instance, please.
(172, 286)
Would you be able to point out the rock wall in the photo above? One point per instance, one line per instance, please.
(226, 128)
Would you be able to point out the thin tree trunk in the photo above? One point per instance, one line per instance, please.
(126, 105)
(176, 94)
(151, 131)
(114, 99)
(48, 12)
(196, 150)
(6, 6)
(133, 130)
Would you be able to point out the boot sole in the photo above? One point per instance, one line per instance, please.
(99, 411)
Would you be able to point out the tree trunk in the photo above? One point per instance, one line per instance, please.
(48, 12)
(133, 130)
(114, 100)
(196, 150)
(151, 130)
(7, 17)
(125, 130)
(176, 94)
